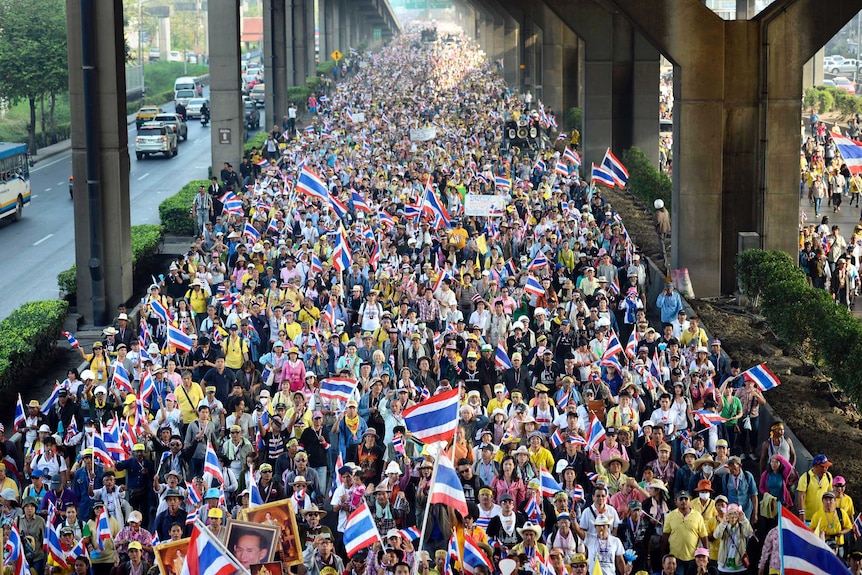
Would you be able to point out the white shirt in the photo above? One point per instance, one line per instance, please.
(606, 551)
(588, 516)
(343, 514)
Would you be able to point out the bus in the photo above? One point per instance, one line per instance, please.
(14, 180)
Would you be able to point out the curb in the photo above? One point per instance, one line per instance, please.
(45, 153)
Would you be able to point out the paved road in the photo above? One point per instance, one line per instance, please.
(40, 246)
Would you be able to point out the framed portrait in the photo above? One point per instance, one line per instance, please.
(171, 556)
(274, 568)
(252, 543)
(278, 513)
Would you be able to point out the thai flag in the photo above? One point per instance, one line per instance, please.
(803, 552)
(193, 495)
(614, 347)
(857, 525)
(533, 510)
(599, 175)
(556, 439)
(20, 416)
(79, 550)
(851, 152)
(340, 388)
(592, 476)
(511, 270)
(398, 443)
(474, 140)
(309, 129)
(207, 556)
(502, 182)
(15, 556)
(262, 162)
(191, 516)
(316, 265)
(71, 431)
(148, 388)
(310, 183)
(435, 419)
(212, 466)
(424, 393)
(540, 166)
(272, 227)
(475, 557)
(103, 528)
(367, 147)
(433, 206)
(708, 418)
(595, 433)
(411, 211)
(447, 487)
(539, 262)
(553, 121)
(611, 361)
(614, 286)
(231, 204)
(572, 156)
(254, 497)
(360, 531)
(562, 169)
(386, 219)
(549, 485)
(178, 339)
(250, 231)
(410, 533)
(55, 549)
(121, 378)
(615, 168)
(359, 202)
(632, 345)
(482, 179)
(501, 358)
(763, 377)
(534, 287)
(578, 493)
(71, 339)
(338, 207)
(341, 256)
(562, 399)
(562, 137)
(160, 311)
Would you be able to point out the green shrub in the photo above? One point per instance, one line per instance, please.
(27, 332)
(298, 95)
(802, 315)
(67, 280)
(573, 119)
(325, 67)
(312, 83)
(825, 101)
(810, 97)
(174, 211)
(256, 141)
(645, 181)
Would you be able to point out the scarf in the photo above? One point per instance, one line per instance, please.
(352, 424)
(382, 512)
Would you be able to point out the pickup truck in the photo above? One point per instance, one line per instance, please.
(176, 122)
(258, 95)
(847, 66)
(155, 138)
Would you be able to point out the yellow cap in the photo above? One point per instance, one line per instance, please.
(215, 512)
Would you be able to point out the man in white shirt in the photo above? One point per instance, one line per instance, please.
(680, 324)
(341, 499)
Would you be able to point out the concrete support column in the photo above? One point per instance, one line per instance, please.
(115, 248)
(310, 63)
(329, 36)
(554, 68)
(300, 41)
(812, 71)
(342, 26)
(499, 39)
(225, 95)
(512, 58)
(531, 80)
(275, 59)
(745, 9)
(164, 38)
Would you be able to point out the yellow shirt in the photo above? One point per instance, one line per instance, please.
(813, 489)
(618, 417)
(197, 300)
(711, 524)
(459, 238)
(497, 404)
(542, 458)
(831, 525)
(300, 425)
(310, 315)
(235, 349)
(188, 400)
(687, 336)
(685, 533)
(9, 484)
(293, 330)
(698, 505)
(845, 504)
(99, 366)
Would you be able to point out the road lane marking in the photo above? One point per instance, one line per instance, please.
(34, 196)
(59, 183)
(47, 189)
(144, 176)
(43, 239)
(40, 165)
(199, 140)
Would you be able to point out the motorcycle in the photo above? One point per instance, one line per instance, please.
(205, 119)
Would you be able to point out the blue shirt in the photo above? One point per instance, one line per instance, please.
(670, 306)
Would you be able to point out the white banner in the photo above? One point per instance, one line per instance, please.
(484, 205)
(358, 117)
(423, 134)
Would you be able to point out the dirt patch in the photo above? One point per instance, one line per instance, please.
(823, 421)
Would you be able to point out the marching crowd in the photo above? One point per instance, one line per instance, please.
(343, 283)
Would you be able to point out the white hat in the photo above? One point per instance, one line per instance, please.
(100, 389)
(603, 321)
(87, 374)
(540, 311)
(658, 204)
(123, 316)
(153, 349)
(393, 467)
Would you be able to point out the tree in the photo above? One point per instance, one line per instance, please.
(33, 58)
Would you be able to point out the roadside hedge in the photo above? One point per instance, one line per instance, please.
(802, 315)
(174, 211)
(146, 244)
(256, 141)
(26, 333)
(645, 180)
(298, 95)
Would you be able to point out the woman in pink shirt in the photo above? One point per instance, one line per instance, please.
(508, 481)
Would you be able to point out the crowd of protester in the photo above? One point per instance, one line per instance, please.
(274, 305)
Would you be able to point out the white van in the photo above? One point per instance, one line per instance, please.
(187, 83)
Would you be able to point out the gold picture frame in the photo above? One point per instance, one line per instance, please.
(259, 541)
(170, 556)
(271, 568)
(278, 513)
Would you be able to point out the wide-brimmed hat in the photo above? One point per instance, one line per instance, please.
(314, 509)
(703, 485)
(657, 484)
(698, 463)
(616, 458)
(529, 526)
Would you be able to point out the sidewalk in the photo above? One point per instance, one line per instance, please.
(48, 152)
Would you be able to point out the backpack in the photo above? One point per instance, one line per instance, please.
(821, 268)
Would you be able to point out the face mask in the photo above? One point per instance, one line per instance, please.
(707, 469)
(721, 509)
(703, 495)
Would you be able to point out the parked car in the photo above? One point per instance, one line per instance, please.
(176, 122)
(155, 55)
(183, 97)
(193, 108)
(175, 56)
(845, 84)
(145, 114)
(252, 116)
(833, 60)
(846, 66)
(156, 138)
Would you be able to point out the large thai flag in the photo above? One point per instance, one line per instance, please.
(539, 262)
(250, 231)
(615, 168)
(360, 531)
(15, 556)
(340, 388)
(851, 152)
(359, 202)
(160, 311)
(502, 183)
(435, 419)
(534, 287)
(572, 156)
(121, 378)
(207, 556)
(178, 339)
(447, 488)
(433, 206)
(802, 552)
(338, 207)
(212, 466)
(599, 175)
(562, 169)
(342, 259)
(501, 358)
(475, 557)
(20, 417)
(763, 377)
(595, 433)
(55, 549)
(103, 528)
(311, 184)
(549, 485)
(614, 346)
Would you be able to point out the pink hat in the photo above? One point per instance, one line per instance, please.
(316, 414)
(839, 480)
(702, 551)
(171, 396)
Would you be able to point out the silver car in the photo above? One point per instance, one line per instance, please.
(183, 97)
(176, 122)
(193, 108)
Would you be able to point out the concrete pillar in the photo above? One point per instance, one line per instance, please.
(226, 128)
(531, 80)
(311, 44)
(164, 38)
(554, 68)
(512, 58)
(745, 9)
(300, 42)
(737, 104)
(343, 27)
(115, 251)
(275, 59)
(328, 35)
(812, 71)
(499, 39)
